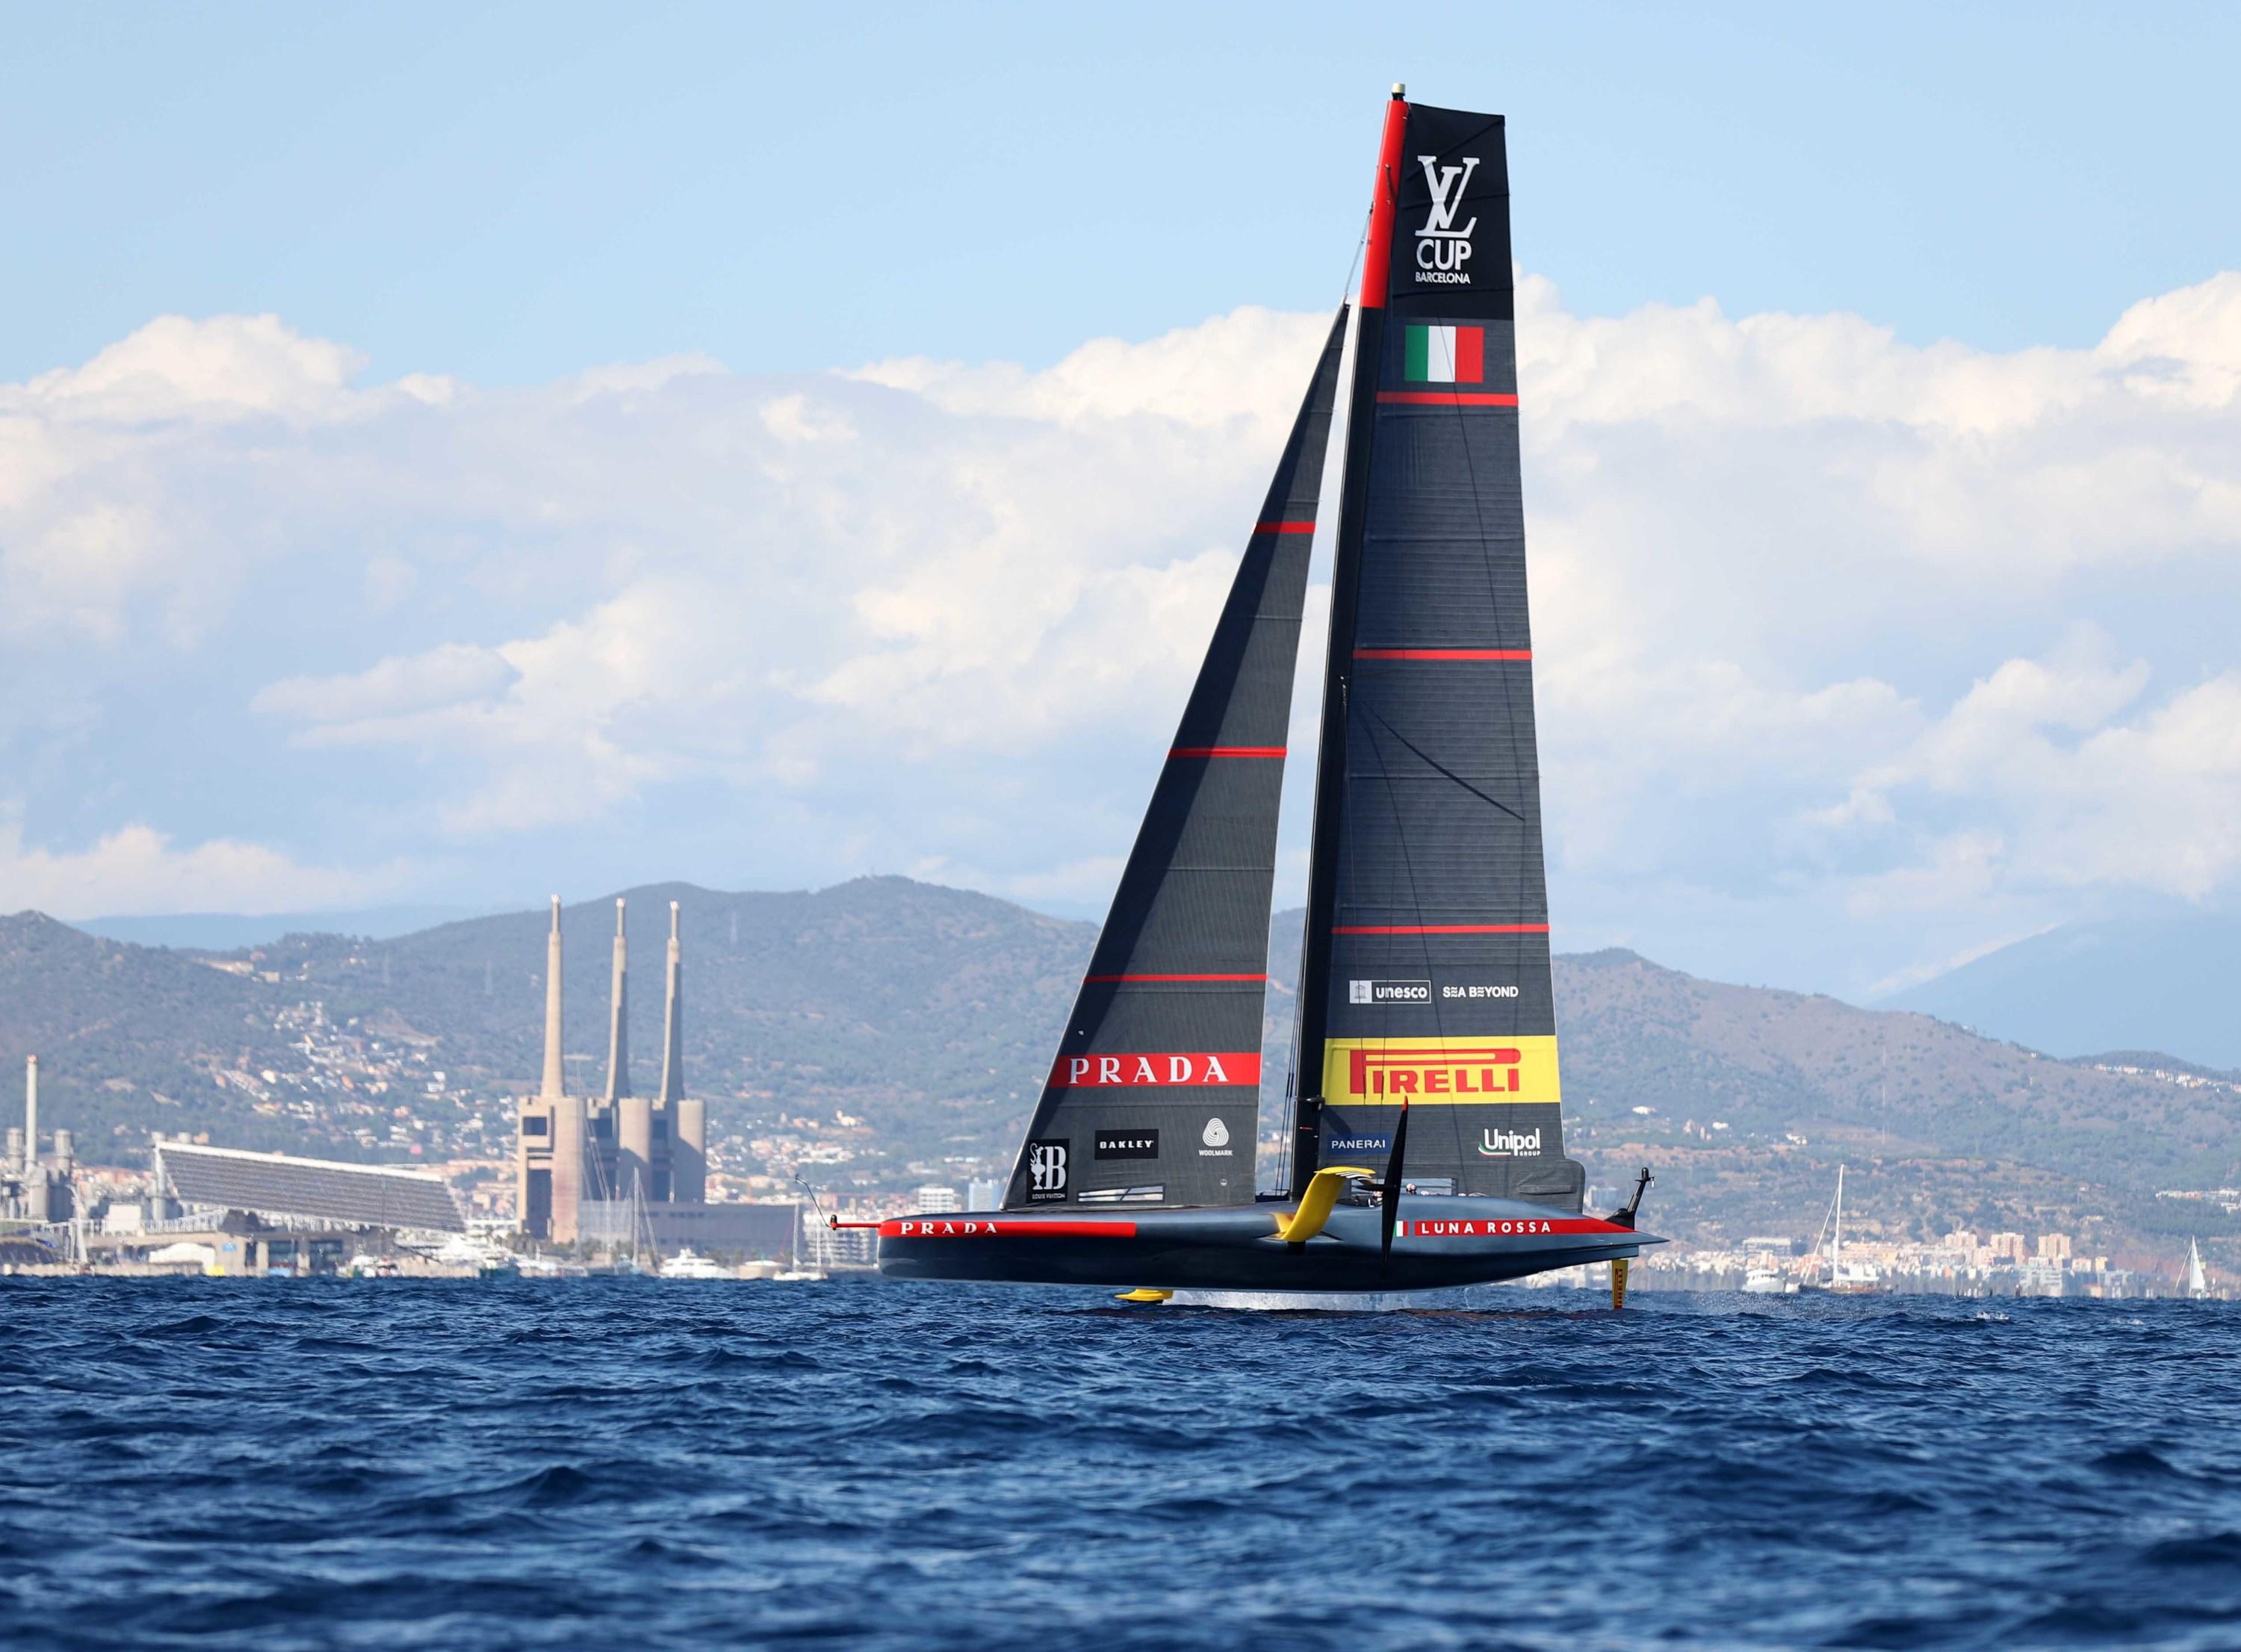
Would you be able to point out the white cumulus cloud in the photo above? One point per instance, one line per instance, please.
(1919, 645)
(139, 870)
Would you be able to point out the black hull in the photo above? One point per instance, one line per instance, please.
(1443, 1242)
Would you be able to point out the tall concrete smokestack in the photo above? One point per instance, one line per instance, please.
(688, 1128)
(618, 1082)
(31, 1117)
(673, 1020)
(553, 1086)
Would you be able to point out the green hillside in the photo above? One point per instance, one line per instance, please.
(928, 1011)
(130, 1038)
(929, 1015)
(1938, 1125)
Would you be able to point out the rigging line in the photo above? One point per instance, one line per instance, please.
(1345, 292)
(1441, 767)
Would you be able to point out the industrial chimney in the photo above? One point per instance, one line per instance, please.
(38, 1204)
(553, 1085)
(673, 1024)
(688, 1142)
(31, 1117)
(619, 1083)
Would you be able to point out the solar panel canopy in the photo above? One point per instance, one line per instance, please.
(275, 1185)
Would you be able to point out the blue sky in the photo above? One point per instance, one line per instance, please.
(510, 193)
(448, 454)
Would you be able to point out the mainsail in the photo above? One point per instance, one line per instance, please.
(1425, 976)
(1154, 1096)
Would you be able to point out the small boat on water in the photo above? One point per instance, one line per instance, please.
(690, 1264)
(1768, 1281)
(1425, 1136)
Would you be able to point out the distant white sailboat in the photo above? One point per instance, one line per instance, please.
(1861, 1278)
(2197, 1283)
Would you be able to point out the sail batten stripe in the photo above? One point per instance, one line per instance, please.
(1284, 527)
(1439, 929)
(1225, 751)
(1444, 653)
(1446, 399)
(1101, 980)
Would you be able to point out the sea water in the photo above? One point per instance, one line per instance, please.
(635, 1464)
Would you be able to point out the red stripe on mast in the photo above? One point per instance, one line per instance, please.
(1283, 527)
(1444, 653)
(1439, 929)
(1226, 751)
(1445, 398)
(1377, 259)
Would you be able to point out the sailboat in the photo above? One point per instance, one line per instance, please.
(1425, 1146)
(1859, 1281)
(2197, 1284)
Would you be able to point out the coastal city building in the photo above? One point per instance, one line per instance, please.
(1955, 1264)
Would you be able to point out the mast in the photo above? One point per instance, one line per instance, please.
(1345, 591)
(1837, 1239)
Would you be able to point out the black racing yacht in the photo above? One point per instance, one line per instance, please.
(1425, 1144)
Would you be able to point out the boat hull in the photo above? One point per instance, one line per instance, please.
(1439, 1243)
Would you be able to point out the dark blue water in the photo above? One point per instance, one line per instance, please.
(634, 1465)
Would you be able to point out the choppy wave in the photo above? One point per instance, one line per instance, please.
(393, 1464)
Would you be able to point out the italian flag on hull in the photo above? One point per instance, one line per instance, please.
(1446, 355)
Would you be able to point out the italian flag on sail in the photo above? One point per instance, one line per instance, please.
(1446, 355)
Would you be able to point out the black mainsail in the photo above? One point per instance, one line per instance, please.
(1425, 977)
(1154, 1096)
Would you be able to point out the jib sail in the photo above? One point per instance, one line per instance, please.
(1425, 963)
(1154, 1093)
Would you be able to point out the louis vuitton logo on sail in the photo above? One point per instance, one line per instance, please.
(1442, 249)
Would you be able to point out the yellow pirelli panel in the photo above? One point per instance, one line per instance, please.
(1440, 1072)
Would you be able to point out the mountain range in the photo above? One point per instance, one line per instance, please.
(929, 1015)
(2164, 982)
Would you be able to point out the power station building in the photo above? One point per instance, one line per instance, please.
(589, 1166)
(34, 1187)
